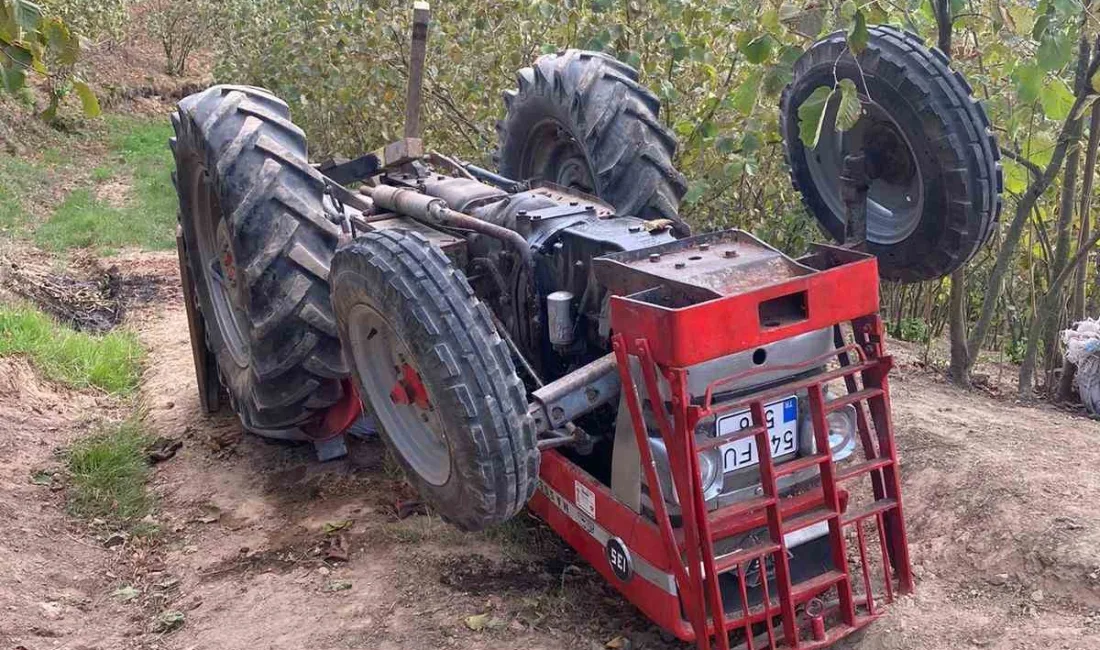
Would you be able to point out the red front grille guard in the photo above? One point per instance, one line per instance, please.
(663, 342)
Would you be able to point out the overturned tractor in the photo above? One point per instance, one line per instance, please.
(704, 418)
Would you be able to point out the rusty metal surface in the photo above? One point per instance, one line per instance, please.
(453, 247)
(702, 267)
(574, 197)
(461, 194)
(579, 392)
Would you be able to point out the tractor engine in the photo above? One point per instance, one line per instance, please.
(558, 318)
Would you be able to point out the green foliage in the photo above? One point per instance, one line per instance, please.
(847, 113)
(108, 473)
(911, 329)
(33, 43)
(717, 67)
(858, 35)
(18, 178)
(811, 115)
(812, 111)
(1015, 349)
(147, 217)
(111, 363)
(180, 26)
(93, 19)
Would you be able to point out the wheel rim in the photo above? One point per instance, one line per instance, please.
(552, 154)
(397, 395)
(895, 199)
(219, 270)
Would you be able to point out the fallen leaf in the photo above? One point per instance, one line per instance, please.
(478, 622)
(126, 594)
(337, 585)
(168, 621)
(333, 526)
(618, 643)
(42, 477)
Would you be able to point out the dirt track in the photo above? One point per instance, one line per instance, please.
(1000, 500)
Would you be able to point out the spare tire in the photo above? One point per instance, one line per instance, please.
(937, 194)
(581, 120)
(258, 244)
(437, 376)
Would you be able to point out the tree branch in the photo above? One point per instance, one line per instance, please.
(1018, 158)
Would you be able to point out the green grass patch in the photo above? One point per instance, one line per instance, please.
(110, 362)
(108, 473)
(139, 156)
(18, 180)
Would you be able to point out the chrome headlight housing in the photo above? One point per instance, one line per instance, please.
(842, 432)
(710, 470)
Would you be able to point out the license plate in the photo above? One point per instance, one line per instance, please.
(782, 418)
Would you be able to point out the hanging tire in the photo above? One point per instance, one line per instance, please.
(258, 244)
(938, 196)
(437, 376)
(581, 120)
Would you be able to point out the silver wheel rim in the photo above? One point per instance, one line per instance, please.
(219, 269)
(381, 356)
(552, 154)
(894, 204)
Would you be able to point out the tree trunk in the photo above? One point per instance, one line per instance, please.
(1045, 324)
(959, 368)
(956, 321)
(1069, 371)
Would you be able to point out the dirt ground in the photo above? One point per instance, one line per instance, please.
(260, 546)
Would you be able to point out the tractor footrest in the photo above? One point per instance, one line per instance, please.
(803, 591)
(724, 563)
(869, 510)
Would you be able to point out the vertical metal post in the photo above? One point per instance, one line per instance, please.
(854, 184)
(422, 13)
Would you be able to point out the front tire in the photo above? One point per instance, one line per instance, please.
(437, 376)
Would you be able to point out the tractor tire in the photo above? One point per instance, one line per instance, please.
(258, 244)
(581, 120)
(939, 197)
(437, 376)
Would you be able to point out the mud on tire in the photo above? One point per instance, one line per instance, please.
(582, 120)
(396, 295)
(958, 201)
(248, 194)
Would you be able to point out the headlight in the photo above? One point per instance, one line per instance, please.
(710, 469)
(842, 431)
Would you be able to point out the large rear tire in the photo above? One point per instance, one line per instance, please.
(437, 376)
(939, 196)
(259, 244)
(581, 120)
